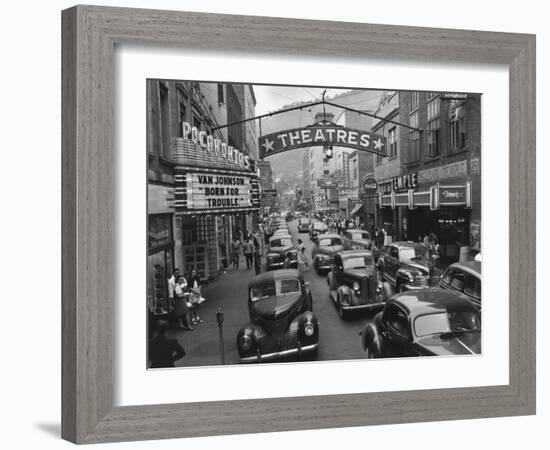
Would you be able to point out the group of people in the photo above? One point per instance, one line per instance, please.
(251, 248)
(184, 296)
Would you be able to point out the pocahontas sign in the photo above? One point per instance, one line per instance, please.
(334, 135)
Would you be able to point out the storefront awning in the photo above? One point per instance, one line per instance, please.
(356, 209)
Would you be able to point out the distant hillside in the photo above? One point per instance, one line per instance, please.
(287, 164)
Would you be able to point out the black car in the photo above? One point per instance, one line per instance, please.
(317, 228)
(353, 284)
(303, 225)
(426, 322)
(464, 277)
(324, 249)
(406, 266)
(282, 324)
(281, 252)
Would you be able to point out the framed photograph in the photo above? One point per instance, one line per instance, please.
(304, 218)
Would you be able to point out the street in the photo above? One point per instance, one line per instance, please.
(338, 339)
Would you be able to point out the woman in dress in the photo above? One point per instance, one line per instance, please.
(181, 304)
(195, 298)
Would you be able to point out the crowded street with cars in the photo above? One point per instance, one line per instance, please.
(325, 296)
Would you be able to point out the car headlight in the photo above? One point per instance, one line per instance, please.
(309, 329)
(245, 342)
(356, 286)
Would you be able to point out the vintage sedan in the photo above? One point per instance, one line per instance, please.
(464, 277)
(405, 266)
(357, 239)
(282, 324)
(353, 284)
(317, 228)
(427, 322)
(280, 249)
(324, 249)
(303, 225)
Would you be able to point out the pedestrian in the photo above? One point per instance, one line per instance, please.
(249, 252)
(182, 305)
(257, 261)
(302, 258)
(171, 287)
(236, 252)
(195, 297)
(339, 226)
(163, 351)
(432, 255)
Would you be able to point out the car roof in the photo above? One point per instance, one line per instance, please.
(405, 244)
(473, 267)
(274, 275)
(357, 230)
(279, 236)
(328, 235)
(431, 300)
(349, 253)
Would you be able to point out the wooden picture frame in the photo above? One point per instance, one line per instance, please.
(90, 34)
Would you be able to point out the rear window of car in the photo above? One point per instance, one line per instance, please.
(319, 226)
(277, 287)
(358, 262)
(359, 235)
(326, 242)
(281, 243)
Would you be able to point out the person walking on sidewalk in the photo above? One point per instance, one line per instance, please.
(236, 249)
(249, 252)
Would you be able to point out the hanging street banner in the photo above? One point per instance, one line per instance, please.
(282, 141)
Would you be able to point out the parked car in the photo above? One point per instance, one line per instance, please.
(279, 247)
(325, 247)
(426, 322)
(405, 266)
(303, 225)
(464, 277)
(317, 228)
(353, 283)
(282, 323)
(357, 239)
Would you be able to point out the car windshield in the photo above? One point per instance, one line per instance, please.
(327, 242)
(283, 242)
(358, 262)
(356, 235)
(320, 226)
(446, 322)
(410, 253)
(285, 286)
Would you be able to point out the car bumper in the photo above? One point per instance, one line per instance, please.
(365, 307)
(281, 265)
(280, 354)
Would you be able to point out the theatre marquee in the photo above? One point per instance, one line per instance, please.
(215, 191)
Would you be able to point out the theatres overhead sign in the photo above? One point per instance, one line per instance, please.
(321, 136)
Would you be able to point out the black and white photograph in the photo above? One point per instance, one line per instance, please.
(308, 223)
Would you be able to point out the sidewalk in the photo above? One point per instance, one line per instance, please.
(228, 292)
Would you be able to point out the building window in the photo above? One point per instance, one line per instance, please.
(392, 140)
(220, 94)
(457, 128)
(414, 100)
(434, 135)
(414, 138)
(164, 120)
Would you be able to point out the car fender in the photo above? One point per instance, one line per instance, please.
(403, 276)
(344, 290)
